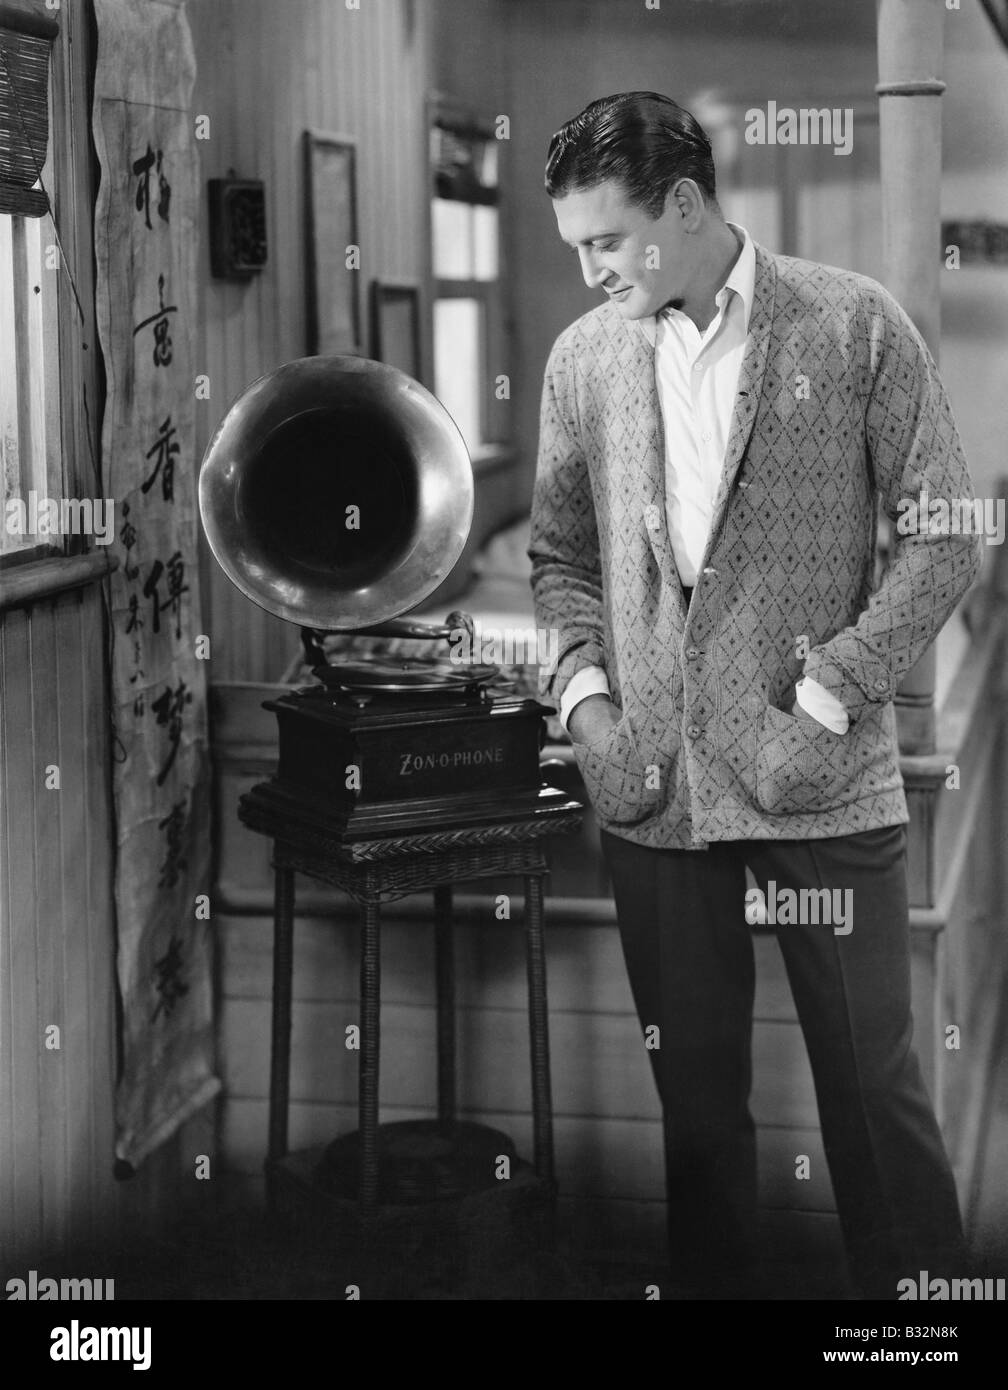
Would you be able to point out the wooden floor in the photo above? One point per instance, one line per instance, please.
(227, 1249)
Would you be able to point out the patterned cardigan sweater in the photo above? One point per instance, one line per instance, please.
(839, 407)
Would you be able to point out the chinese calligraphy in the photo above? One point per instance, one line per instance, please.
(162, 354)
(176, 588)
(169, 982)
(174, 826)
(164, 448)
(128, 536)
(143, 166)
(169, 708)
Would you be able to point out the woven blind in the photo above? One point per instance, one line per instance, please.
(25, 43)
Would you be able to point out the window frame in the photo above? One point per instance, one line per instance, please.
(495, 417)
(71, 174)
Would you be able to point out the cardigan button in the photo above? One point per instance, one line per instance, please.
(694, 731)
(692, 653)
(881, 685)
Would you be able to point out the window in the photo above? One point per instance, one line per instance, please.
(30, 453)
(48, 375)
(468, 318)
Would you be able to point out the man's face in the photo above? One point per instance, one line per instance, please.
(640, 262)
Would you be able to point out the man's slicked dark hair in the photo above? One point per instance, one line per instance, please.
(642, 140)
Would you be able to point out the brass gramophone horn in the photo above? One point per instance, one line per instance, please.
(336, 492)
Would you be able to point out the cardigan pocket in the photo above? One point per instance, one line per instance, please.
(615, 779)
(803, 766)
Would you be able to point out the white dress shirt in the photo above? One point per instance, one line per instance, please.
(697, 379)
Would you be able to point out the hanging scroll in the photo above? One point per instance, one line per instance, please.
(146, 219)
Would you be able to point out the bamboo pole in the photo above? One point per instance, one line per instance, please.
(910, 50)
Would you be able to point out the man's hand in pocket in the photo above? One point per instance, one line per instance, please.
(592, 718)
(803, 714)
(829, 712)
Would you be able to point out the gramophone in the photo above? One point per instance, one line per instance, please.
(337, 493)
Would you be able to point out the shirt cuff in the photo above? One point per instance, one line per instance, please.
(590, 680)
(823, 706)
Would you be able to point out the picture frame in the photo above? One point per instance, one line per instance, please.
(395, 325)
(333, 307)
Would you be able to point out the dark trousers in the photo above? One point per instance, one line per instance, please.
(689, 955)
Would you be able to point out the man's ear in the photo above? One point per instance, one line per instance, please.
(685, 198)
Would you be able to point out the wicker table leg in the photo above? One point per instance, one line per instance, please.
(542, 1106)
(283, 962)
(370, 1003)
(444, 958)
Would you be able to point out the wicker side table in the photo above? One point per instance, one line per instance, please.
(381, 869)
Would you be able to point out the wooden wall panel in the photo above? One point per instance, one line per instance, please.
(57, 950)
(75, 660)
(599, 1063)
(91, 989)
(585, 964)
(51, 808)
(57, 938)
(20, 1032)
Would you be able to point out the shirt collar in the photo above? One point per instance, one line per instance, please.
(741, 279)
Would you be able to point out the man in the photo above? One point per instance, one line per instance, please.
(714, 440)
